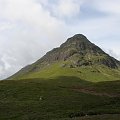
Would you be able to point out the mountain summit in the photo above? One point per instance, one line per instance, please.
(77, 52)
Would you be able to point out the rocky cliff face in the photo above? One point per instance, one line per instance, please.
(80, 51)
(77, 51)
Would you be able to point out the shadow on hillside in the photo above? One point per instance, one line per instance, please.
(60, 79)
(109, 87)
(69, 81)
(66, 79)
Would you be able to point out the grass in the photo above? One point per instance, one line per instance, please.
(47, 99)
(90, 73)
(64, 93)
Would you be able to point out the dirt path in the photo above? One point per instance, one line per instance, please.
(93, 92)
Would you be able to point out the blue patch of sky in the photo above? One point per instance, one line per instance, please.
(89, 12)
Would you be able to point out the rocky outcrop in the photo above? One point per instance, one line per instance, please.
(87, 53)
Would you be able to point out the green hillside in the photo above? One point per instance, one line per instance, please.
(76, 57)
(62, 98)
(89, 73)
(76, 81)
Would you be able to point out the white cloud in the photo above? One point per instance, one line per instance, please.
(112, 52)
(67, 8)
(108, 6)
(27, 31)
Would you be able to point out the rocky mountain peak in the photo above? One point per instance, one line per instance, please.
(76, 39)
(80, 51)
(76, 52)
(80, 37)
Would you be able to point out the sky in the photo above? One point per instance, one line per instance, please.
(30, 28)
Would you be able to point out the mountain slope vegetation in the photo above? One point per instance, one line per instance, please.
(60, 98)
(76, 57)
(76, 81)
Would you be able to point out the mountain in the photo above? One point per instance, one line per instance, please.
(76, 57)
(77, 81)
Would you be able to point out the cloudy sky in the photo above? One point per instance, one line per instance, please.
(30, 28)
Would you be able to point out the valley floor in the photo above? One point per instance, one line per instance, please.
(56, 99)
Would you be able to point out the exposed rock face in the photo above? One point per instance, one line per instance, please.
(78, 44)
(79, 51)
(82, 51)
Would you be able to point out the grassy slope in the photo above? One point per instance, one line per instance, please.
(89, 73)
(64, 93)
(20, 100)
